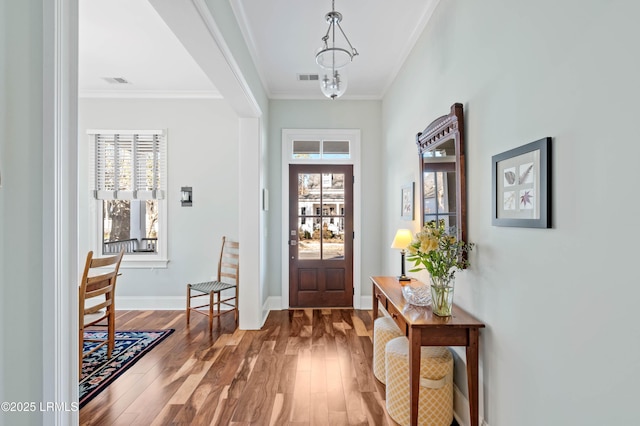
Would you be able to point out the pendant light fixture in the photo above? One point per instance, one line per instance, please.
(332, 58)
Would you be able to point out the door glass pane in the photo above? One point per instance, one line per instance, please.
(309, 202)
(309, 238)
(308, 188)
(332, 216)
(320, 216)
(333, 238)
(333, 181)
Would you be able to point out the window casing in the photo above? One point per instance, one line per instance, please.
(128, 176)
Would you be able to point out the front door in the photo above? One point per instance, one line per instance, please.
(320, 235)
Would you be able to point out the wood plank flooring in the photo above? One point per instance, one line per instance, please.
(304, 367)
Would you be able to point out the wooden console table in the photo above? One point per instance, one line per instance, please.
(425, 329)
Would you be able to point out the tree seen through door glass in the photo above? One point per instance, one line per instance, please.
(320, 216)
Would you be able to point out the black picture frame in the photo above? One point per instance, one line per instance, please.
(521, 186)
(406, 197)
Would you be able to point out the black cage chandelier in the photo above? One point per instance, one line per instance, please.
(332, 58)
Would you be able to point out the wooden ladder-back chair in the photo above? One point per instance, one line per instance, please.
(228, 278)
(96, 300)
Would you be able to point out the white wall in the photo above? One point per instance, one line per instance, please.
(203, 153)
(561, 344)
(21, 206)
(327, 114)
(3, 135)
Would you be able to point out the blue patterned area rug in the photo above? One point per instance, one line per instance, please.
(98, 371)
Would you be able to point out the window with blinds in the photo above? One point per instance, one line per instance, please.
(129, 165)
(128, 184)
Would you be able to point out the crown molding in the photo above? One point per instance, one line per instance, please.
(150, 94)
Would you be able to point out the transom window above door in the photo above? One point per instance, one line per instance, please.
(321, 150)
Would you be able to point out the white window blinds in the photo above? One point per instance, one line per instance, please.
(128, 165)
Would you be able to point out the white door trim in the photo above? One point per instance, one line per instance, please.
(353, 135)
(59, 248)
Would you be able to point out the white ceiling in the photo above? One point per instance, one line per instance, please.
(128, 39)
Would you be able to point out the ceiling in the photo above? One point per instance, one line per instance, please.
(128, 39)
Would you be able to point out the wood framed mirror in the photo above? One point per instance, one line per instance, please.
(442, 172)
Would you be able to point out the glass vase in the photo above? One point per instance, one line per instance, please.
(442, 295)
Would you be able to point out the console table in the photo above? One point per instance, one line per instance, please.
(425, 329)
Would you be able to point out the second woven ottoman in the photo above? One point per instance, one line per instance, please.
(435, 403)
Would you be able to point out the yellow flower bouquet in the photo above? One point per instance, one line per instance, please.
(441, 254)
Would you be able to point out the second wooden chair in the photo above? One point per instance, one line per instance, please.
(227, 279)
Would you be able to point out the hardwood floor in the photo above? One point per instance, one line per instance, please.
(304, 367)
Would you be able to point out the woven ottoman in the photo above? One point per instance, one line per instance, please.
(384, 329)
(435, 402)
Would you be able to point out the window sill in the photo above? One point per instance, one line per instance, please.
(144, 263)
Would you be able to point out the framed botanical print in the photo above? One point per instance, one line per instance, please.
(407, 201)
(521, 186)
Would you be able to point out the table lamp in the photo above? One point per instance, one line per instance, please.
(402, 239)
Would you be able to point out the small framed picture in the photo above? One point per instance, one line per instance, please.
(521, 186)
(407, 201)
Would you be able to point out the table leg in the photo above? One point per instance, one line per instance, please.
(414, 373)
(472, 376)
(375, 303)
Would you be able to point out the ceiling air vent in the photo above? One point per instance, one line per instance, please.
(115, 80)
(307, 77)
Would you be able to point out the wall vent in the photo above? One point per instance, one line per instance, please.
(115, 80)
(307, 77)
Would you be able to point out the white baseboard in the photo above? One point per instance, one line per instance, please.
(166, 303)
(155, 303)
(178, 303)
(273, 303)
(366, 302)
(461, 408)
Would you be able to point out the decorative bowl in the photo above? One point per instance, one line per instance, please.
(417, 294)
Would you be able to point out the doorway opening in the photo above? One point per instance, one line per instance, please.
(320, 235)
(321, 218)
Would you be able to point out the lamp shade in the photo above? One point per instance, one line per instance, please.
(332, 58)
(402, 239)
